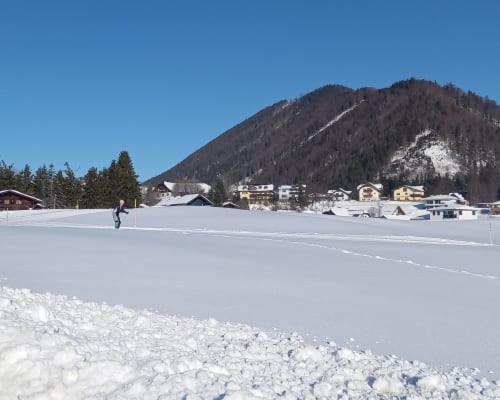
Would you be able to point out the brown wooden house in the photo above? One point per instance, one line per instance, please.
(14, 200)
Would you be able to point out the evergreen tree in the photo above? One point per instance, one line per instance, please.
(93, 190)
(302, 198)
(41, 184)
(51, 188)
(24, 181)
(122, 181)
(7, 176)
(71, 187)
(217, 193)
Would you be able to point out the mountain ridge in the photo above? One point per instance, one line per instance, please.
(337, 136)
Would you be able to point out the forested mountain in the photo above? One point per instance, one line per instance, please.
(414, 132)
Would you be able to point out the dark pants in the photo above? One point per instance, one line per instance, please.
(118, 221)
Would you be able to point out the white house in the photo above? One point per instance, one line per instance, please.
(440, 200)
(454, 212)
(340, 194)
(370, 191)
(290, 192)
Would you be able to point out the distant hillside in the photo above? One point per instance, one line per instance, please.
(414, 131)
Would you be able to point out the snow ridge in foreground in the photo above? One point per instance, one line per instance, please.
(52, 347)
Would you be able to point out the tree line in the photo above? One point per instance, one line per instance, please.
(63, 189)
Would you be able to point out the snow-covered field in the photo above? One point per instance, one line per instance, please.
(422, 290)
(52, 347)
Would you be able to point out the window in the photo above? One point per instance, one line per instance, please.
(434, 213)
(19, 202)
(473, 213)
(460, 212)
(6, 201)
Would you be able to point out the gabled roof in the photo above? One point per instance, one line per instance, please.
(182, 200)
(376, 186)
(203, 187)
(444, 197)
(230, 204)
(348, 192)
(416, 188)
(27, 196)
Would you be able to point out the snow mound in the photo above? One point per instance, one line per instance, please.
(52, 347)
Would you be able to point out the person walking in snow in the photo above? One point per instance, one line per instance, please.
(116, 213)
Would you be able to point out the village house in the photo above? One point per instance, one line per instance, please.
(186, 200)
(340, 194)
(409, 193)
(370, 191)
(440, 200)
(454, 212)
(172, 189)
(257, 194)
(14, 200)
(290, 192)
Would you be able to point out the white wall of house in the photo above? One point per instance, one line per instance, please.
(453, 214)
(369, 193)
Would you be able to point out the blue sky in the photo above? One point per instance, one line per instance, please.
(82, 80)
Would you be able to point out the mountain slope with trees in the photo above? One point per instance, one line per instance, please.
(414, 131)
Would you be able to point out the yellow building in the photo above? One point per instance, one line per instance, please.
(409, 193)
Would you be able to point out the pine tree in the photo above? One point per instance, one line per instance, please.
(72, 187)
(217, 193)
(123, 181)
(93, 190)
(41, 184)
(7, 176)
(24, 181)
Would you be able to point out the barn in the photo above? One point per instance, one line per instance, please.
(13, 200)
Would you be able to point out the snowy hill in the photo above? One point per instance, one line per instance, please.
(394, 287)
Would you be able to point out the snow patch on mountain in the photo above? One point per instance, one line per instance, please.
(53, 347)
(427, 153)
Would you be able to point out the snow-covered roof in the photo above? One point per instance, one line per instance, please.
(36, 199)
(202, 187)
(230, 204)
(181, 200)
(332, 191)
(445, 197)
(377, 186)
(417, 188)
(255, 188)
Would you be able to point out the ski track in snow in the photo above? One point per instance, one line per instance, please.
(291, 238)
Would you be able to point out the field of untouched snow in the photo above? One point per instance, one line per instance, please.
(53, 347)
(422, 290)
